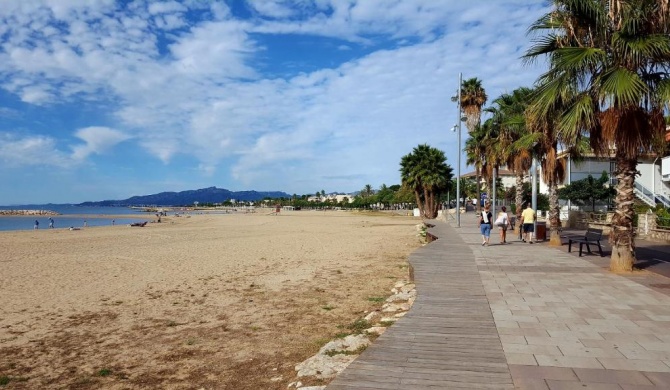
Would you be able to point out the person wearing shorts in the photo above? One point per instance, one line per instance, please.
(485, 224)
(528, 218)
(503, 223)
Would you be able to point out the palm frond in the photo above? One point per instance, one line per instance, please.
(576, 59)
(578, 116)
(527, 142)
(540, 46)
(663, 93)
(622, 87)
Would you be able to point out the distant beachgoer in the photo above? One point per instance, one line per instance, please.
(37, 224)
(51, 223)
(113, 221)
(85, 223)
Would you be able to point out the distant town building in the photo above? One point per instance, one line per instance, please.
(334, 197)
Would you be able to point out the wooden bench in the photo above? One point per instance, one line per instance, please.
(592, 237)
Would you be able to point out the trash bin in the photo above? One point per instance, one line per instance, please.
(540, 231)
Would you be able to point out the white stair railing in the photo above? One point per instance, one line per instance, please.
(648, 196)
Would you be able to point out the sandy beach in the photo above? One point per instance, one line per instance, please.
(198, 302)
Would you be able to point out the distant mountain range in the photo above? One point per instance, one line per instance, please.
(204, 195)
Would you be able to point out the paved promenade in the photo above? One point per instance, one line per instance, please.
(519, 316)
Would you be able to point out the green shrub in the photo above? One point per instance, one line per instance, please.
(663, 218)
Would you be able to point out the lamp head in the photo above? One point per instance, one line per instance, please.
(454, 128)
(454, 98)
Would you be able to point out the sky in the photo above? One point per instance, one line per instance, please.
(103, 99)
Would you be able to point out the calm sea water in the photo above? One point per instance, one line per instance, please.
(71, 216)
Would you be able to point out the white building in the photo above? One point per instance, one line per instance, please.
(652, 185)
(337, 198)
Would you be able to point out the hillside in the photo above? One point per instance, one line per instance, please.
(204, 195)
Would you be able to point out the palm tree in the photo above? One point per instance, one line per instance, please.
(425, 171)
(367, 191)
(510, 116)
(543, 139)
(473, 98)
(475, 152)
(496, 146)
(613, 56)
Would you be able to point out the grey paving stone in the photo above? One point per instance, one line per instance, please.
(659, 379)
(572, 385)
(612, 376)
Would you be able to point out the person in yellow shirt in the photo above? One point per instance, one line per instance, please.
(528, 221)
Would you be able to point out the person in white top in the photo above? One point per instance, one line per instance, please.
(503, 222)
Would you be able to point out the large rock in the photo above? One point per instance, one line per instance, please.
(324, 366)
(372, 317)
(400, 297)
(378, 330)
(395, 307)
(351, 343)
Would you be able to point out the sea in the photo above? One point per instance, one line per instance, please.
(72, 216)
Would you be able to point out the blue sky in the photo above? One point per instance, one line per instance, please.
(103, 99)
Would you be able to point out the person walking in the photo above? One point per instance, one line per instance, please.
(51, 223)
(503, 222)
(485, 224)
(528, 220)
(37, 224)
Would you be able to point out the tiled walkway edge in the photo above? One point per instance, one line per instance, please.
(448, 340)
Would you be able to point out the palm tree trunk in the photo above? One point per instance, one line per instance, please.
(433, 205)
(430, 204)
(519, 201)
(419, 204)
(554, 216)
(427, 206)
(622, 236)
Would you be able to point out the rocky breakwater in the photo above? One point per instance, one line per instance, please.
(28, 212)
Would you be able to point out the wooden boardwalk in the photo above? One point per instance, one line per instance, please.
(448, 340)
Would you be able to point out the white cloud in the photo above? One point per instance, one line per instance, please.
(217, 49)
(96, 140)
(30, 151)
(272, 9)
(165, 7)
(36, 94)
